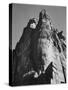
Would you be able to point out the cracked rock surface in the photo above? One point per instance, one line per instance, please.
(40, 54)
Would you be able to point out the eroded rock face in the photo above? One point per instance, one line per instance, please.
(39, 54)
(50, 53)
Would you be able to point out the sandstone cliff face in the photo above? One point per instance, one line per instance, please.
(40, 54)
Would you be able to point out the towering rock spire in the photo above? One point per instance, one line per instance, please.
(39, 53)
(49, 36)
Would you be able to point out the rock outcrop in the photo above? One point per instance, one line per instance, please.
(40, 54)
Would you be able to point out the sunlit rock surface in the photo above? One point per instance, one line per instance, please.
(40, 54)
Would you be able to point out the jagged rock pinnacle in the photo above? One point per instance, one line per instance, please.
(39, 50)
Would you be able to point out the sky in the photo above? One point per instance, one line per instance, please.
(21, 13)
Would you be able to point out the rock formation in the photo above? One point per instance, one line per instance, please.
(39, 56)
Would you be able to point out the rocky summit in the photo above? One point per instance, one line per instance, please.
(40, 54)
